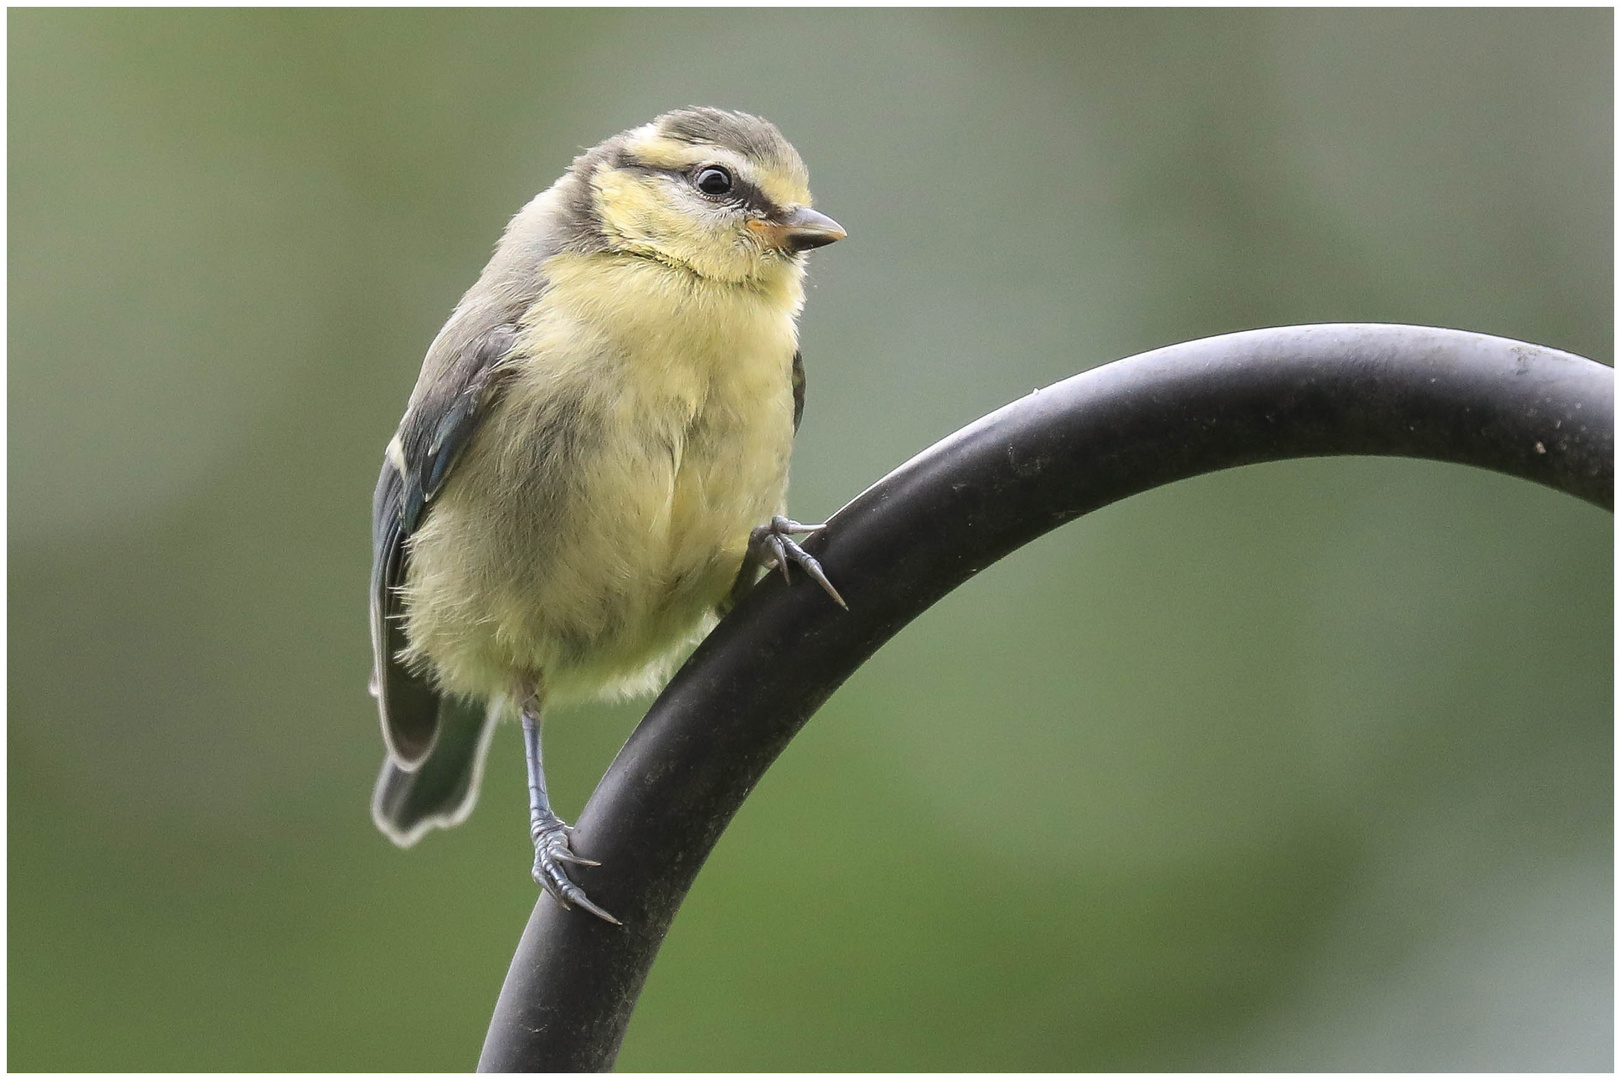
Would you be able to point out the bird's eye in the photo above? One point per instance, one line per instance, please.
(713, 180)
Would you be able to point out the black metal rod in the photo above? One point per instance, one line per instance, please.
(1114, 431)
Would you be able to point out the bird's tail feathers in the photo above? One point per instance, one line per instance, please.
(440, 791)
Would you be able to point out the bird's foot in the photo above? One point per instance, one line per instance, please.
(552, 851)
(772, 546)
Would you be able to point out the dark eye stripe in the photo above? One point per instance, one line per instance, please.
(747, 195)
(744, 193)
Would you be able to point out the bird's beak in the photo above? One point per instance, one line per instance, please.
(801, 230)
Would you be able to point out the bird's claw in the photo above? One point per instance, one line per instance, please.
(551, 853)
(772, 545)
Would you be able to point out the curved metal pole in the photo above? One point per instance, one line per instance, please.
(1114, 431)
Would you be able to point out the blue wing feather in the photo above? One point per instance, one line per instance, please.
(436, 429)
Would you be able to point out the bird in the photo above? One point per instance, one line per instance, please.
(593, 464)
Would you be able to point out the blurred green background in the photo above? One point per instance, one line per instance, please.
(1300, 766)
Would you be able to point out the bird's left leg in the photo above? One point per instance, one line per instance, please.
(772, 546)
(546, 829)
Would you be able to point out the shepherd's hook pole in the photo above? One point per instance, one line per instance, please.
(1000, 482)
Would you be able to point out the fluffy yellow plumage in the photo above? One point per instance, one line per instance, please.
(688, 380)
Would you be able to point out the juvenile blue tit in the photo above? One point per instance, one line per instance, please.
(594, 461)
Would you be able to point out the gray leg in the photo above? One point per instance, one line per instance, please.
(546, 829)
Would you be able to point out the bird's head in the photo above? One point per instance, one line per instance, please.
(720, 194)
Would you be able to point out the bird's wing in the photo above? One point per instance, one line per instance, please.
(440, 422)
(797, 380)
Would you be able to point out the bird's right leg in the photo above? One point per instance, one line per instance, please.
(772, 546)
(546, 829)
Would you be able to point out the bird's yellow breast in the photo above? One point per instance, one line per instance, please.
(603, 508)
